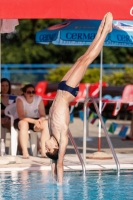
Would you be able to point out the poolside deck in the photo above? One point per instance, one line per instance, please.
(123, 149)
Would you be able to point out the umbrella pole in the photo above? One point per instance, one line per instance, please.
(100, 99)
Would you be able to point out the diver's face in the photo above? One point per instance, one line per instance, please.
(51, 144)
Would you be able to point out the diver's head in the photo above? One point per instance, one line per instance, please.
(52, 148)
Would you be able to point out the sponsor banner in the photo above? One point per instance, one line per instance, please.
(71, 117)
(123, 131)
(92, 121)
(104, 120)
(112, 127)
(81, 115)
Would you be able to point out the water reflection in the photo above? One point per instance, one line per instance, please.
(14, 185)
(100, 186)
(60, 193)
(2, 185)
(8, 185)
(85, 188)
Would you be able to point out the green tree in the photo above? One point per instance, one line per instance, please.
(116, 78)
(128, 76)
(55, 75)
(93, 75)
(120, 78)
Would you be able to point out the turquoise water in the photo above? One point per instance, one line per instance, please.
(38, 185)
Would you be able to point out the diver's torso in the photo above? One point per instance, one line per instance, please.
(59, 114)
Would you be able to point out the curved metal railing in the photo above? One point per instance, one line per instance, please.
(77, 152)
(104, 128)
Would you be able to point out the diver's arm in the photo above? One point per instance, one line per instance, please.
(62, 149)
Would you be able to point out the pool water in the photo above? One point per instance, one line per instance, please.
(38, 185)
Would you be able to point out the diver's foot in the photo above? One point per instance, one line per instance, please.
(102, 23)
(109, 20)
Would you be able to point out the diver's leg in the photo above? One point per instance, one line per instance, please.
(98, 35)
(99, 32)
(84, 61)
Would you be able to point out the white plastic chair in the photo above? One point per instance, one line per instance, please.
(10, 111)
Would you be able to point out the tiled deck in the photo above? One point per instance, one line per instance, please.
(71, 162)
(123, 149)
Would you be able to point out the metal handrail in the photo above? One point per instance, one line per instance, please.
(104, 128)
(77, 152)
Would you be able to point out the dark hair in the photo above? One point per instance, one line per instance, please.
(6, 80)
(54, 155)
(24, 89)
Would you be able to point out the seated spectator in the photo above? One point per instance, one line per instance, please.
(31, 115)
(5, 92)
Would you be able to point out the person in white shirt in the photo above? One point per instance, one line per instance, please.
(31, 115)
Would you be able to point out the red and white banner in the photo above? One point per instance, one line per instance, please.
(130, 107)
(117, 108)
